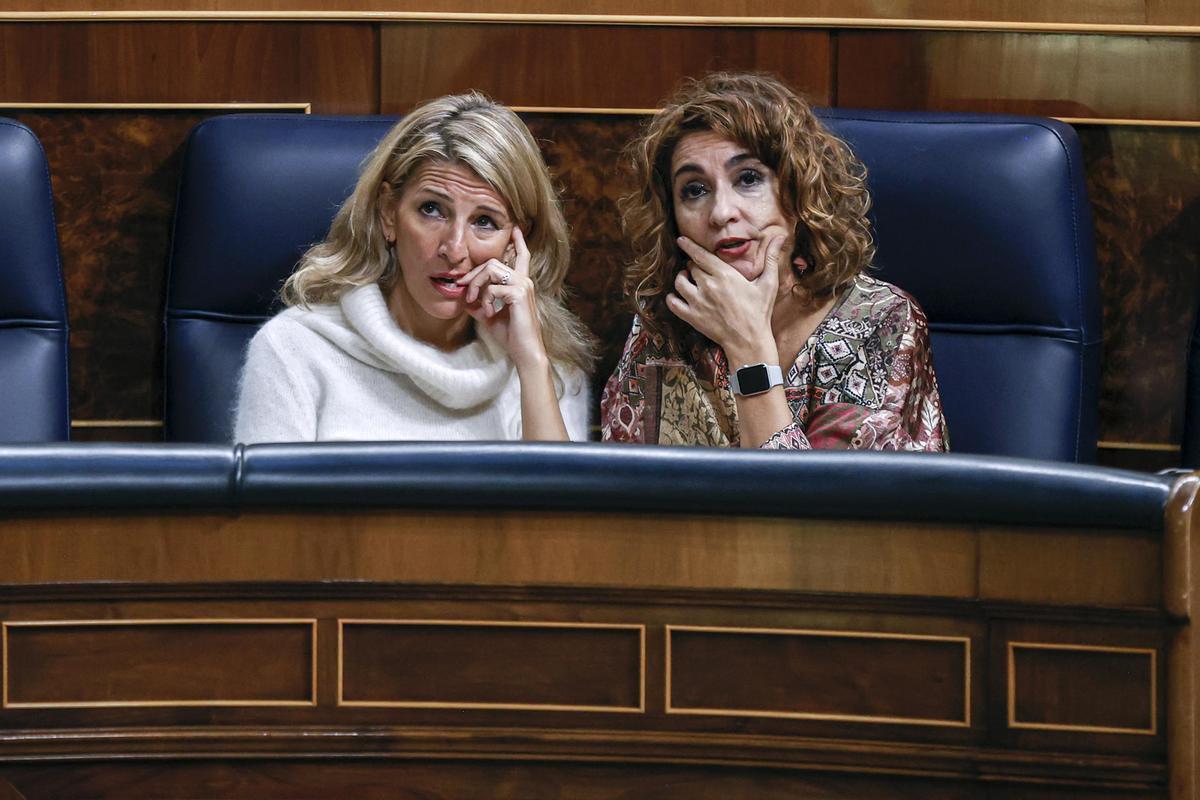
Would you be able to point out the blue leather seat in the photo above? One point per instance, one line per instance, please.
(256, 191)
(985, 220)
(33, 309)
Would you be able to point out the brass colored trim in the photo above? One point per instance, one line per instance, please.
(965, 722)
(116, 423)
(1138, 445)
(1131, 122)
(638, 112)
(72, 623)
(302, 107)
(1011, 688)
(601, 19)
(640, 708)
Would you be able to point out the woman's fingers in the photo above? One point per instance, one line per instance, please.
(521, 263)
(769, 256)
(488, 273)
(701, 258)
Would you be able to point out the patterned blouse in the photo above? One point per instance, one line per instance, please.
(864, 380)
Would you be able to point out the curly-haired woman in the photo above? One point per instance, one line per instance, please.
(757, 324)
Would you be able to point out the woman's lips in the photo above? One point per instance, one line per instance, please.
(732, 249)
(447, 287)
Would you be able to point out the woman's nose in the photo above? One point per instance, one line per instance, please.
(454, 244)
(724, 207)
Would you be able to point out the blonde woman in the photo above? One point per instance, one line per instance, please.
(757, 323)
(434, 309)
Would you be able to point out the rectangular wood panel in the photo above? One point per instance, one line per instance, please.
(450, 664)
(332, 66)
(83, 663)
(581, 66)
(811, 674)
(1057, 687)
(1045, 74)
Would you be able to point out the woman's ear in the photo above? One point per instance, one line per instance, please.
(385, 207)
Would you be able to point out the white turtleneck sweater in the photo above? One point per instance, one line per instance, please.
(347, 372)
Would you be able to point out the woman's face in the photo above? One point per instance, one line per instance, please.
(726, 200)
(445, 222)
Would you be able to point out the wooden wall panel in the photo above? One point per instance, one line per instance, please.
(1050, 75)
(586, 66)
(1124, 12)
(331, 66)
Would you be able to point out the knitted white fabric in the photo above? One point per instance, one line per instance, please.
(347, 372)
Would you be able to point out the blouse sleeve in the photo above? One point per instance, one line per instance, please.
(623, 403)
(273, 404)
(910, 414)
(575, 404)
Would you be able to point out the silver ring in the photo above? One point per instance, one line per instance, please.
(504, 276)
(498, 304)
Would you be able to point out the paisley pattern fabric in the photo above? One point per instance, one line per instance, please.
(863, 380)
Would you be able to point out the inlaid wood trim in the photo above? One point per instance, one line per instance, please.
(601, 19)
(1154, 447)
(640, 708)
(116, 423)
(302, 107)
(4, 662)
(1131, 121)
(1011, 680)
(965, 722)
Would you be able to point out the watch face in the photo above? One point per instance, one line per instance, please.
(753, 379)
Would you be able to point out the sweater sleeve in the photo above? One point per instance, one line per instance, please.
(273, 405)
(575, 404)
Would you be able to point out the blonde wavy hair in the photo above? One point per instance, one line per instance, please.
(472, 130)
(822, 186)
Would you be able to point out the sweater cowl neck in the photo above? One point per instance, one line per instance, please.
(361, 325)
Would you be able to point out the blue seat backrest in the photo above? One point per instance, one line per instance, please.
(985, 220)
(256, 191)
(33, 309)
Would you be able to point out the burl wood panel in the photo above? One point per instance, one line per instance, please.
(158, 663)
(114, 176)
(463, 665)
(1058, 687)
(332, 66)
(861, 677)
(373, 779)
(586, 66)
(1046, 74)
(1127, 12)
(1144, 187)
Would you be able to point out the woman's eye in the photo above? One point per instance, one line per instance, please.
(430, 209)
(691, 190)
(749, 177)
(487, 222)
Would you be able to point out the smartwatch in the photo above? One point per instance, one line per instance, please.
(755, 379)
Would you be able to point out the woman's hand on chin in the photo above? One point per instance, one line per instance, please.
(719, 302)
(502, 299)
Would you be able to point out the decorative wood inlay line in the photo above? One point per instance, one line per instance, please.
(566, 110)
(1011, 679)
(640, 630)
(1154, 447)
(601, 19)
(302, 107)
(116, 423)
(963, 722)
(6, 672)
(1131, 122)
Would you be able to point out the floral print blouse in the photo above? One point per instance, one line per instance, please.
(864, 380)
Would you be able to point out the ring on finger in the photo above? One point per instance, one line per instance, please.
(504, 277)
(498, 304)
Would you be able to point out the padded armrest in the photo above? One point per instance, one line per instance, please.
(117, 476)
(597, 477)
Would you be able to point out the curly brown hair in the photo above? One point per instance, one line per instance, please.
(822, 185)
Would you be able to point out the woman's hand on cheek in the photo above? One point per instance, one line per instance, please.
(719, 302)
(503, 300)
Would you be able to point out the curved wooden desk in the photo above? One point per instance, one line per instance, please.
(253, 651)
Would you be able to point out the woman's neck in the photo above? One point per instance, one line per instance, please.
(444, 334)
